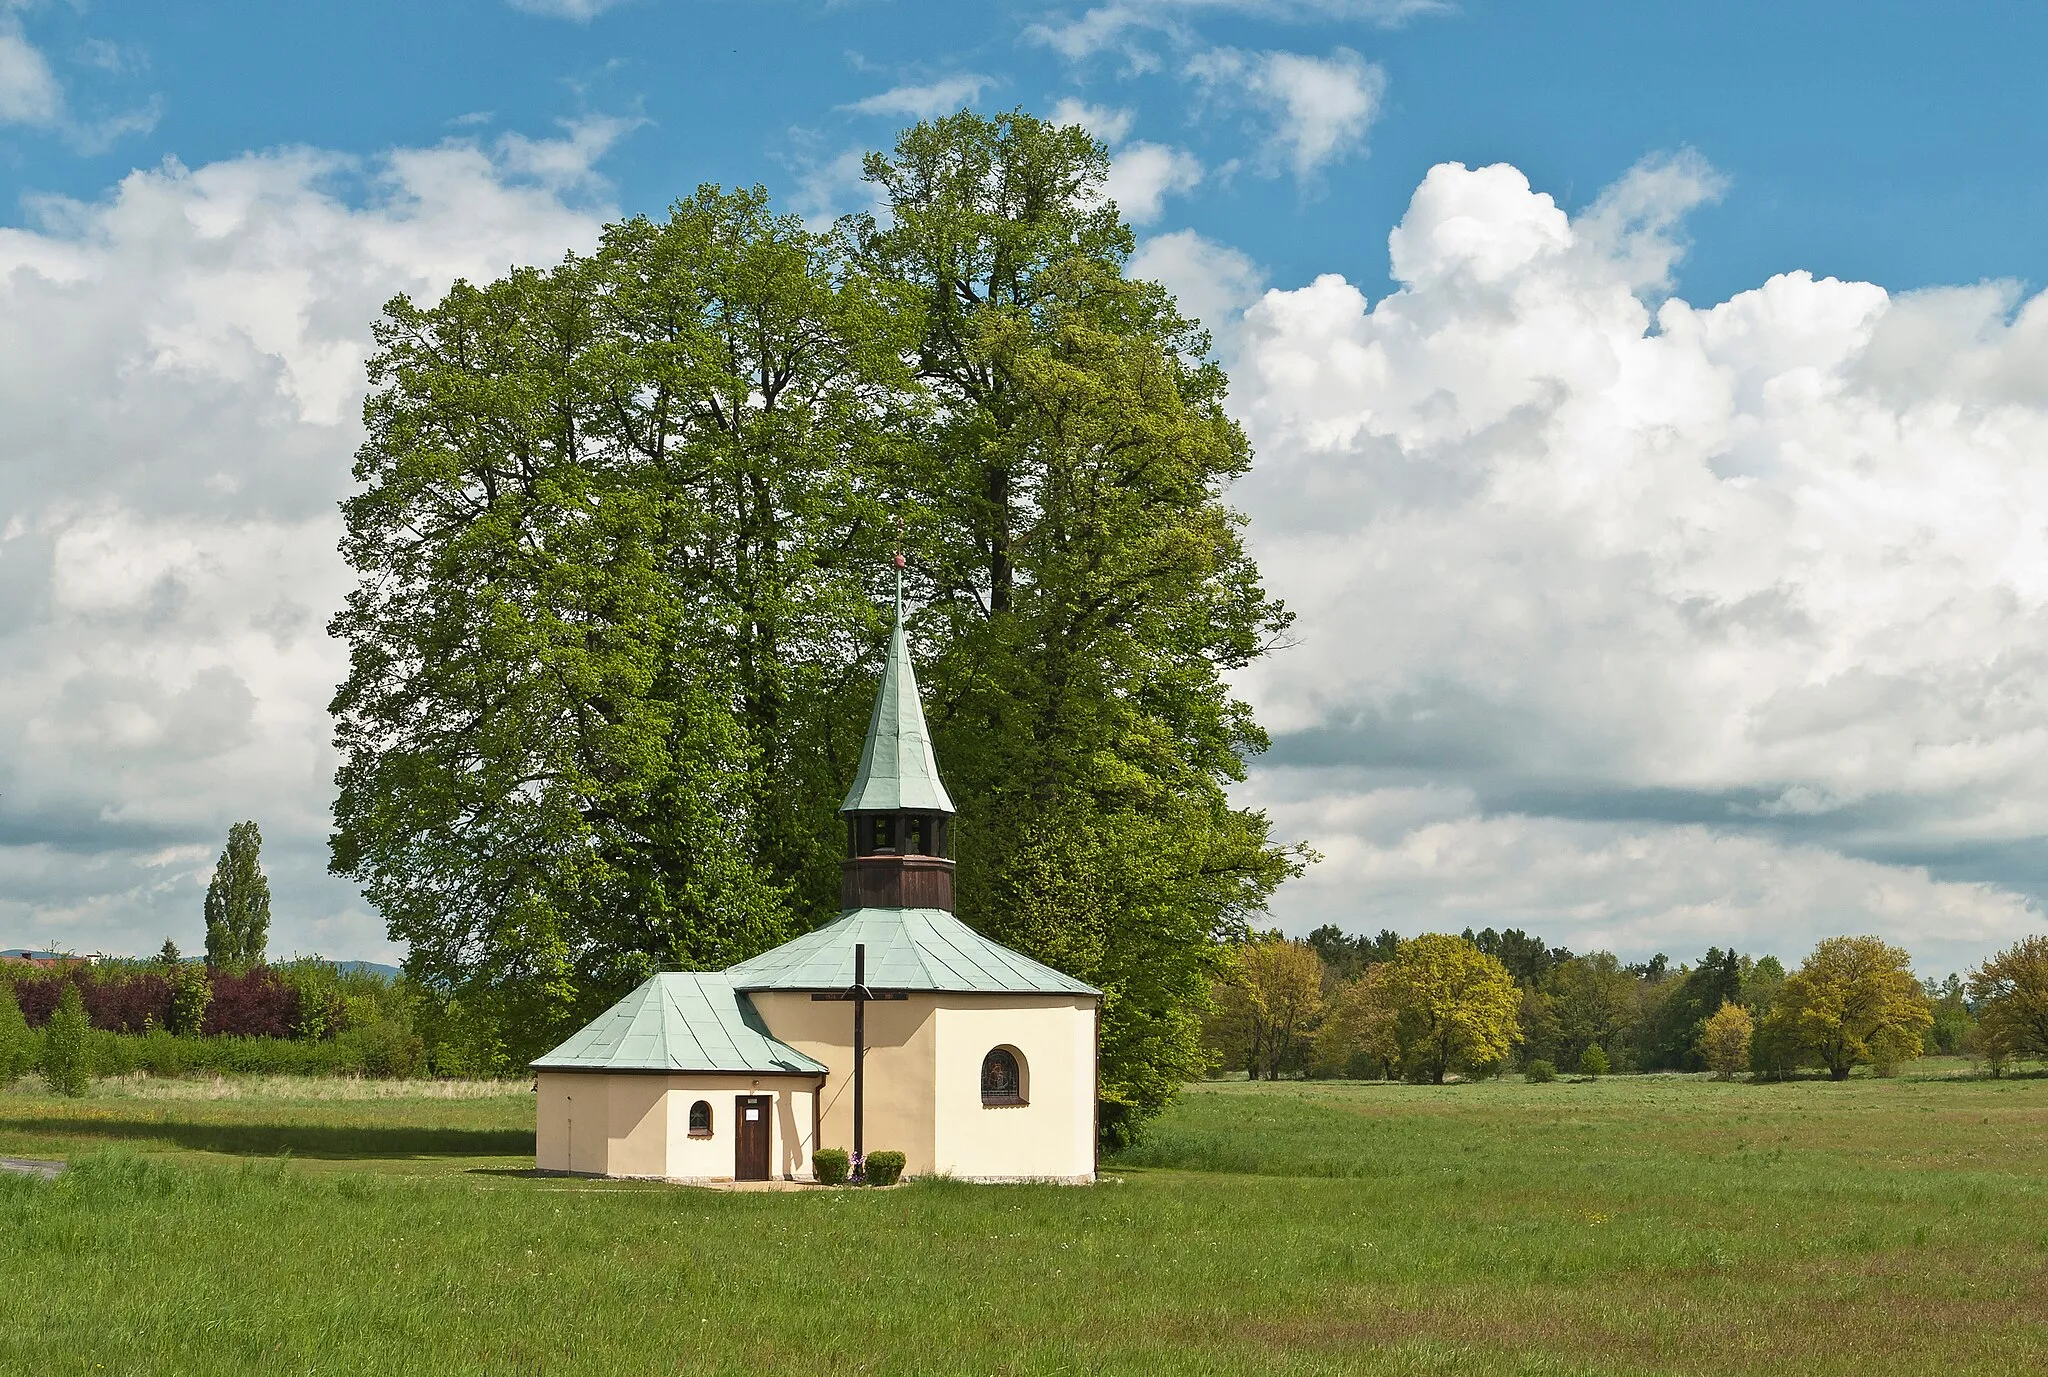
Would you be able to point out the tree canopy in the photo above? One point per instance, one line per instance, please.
(1853, 1000)
(1455, 1007)
(2012, 991)
(621, 536)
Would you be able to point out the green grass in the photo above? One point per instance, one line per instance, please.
(1634, 1225)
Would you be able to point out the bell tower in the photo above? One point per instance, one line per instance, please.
(899, 818)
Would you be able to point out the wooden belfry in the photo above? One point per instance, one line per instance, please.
(899, 818)
(859, 994)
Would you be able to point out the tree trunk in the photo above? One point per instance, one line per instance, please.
(1838, 1073)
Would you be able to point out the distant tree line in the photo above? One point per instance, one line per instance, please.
(1480, 1003)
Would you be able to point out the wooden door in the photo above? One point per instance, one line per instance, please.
(751, 1113)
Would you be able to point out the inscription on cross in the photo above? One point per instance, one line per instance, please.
(858, 994)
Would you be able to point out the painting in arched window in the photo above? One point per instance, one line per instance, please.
(1002, 1079)
(700, 1119)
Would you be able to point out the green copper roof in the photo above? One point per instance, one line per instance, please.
(897, 770)
(907, 949)
(679, 1021)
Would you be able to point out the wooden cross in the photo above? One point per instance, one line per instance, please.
(858, 994)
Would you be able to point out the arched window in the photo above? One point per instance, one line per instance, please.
(1002, 1077)
(700, 1119)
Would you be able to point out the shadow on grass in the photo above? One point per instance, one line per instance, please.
(319, 1141)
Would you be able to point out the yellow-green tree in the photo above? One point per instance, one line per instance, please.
(1455, 1007)
(1724, 1043)
(1852, 998)
(1358, 1033)
(2011, 990)
(1268, 1006)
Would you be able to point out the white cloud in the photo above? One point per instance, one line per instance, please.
(1111, 125)
(1428, 859)
(181, 366)
(941, 97)
(29, 93)
(1106, 27)
(1766, 579)
(1213, 282)
(581, 11)
(1143, 175)
(1320, 107)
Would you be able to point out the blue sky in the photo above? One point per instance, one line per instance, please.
(1871, 140)
(1648, 402)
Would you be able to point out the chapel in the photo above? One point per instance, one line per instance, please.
(894, 1026)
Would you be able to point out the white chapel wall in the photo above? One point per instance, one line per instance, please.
(899, 1034)
(638, 1124)
(1052, 1135)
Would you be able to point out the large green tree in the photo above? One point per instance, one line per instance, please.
(599, 675)
(238, 902)
(1088, 586)
(621, 538)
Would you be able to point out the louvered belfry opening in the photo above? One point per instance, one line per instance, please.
(897, 860)
(899, 818)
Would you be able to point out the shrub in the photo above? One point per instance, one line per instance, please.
(1540, 1072)
(1593, 1061)
(17, 1043)
(191, 992)
(1725, 1039)
(252, 1003)
(67, 1050)
(830, 1166)
(382, 1049)
(884, 1168)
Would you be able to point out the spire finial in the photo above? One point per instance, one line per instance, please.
(899, 569)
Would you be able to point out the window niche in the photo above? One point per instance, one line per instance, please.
(700, 1119)
(1002, 1077)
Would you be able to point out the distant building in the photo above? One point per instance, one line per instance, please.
(978, 1062)
(50, 960)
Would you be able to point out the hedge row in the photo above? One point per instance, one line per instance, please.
(379, 1050)
(257, 1003)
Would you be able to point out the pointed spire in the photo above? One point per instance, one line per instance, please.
(897, 770)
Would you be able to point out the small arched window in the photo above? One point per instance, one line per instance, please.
(700, 1119)
(1002, 1077)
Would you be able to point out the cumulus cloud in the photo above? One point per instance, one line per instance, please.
(1651, 585)
(940, 97)
(1319, 109)
(181, 366)
(1143, 175)
(1213, 282)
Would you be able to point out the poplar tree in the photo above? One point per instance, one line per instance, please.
(238, 903)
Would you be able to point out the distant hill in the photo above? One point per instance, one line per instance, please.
(367, 968)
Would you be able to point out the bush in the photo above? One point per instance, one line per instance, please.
(67, 1049)
(252, 1003)
(1540, 1072)
(190, 994)
(17, 1043)
(884, 1168)
(1593, 1061)
(830, 1166)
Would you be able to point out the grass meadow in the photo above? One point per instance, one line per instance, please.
(1633, 1225)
